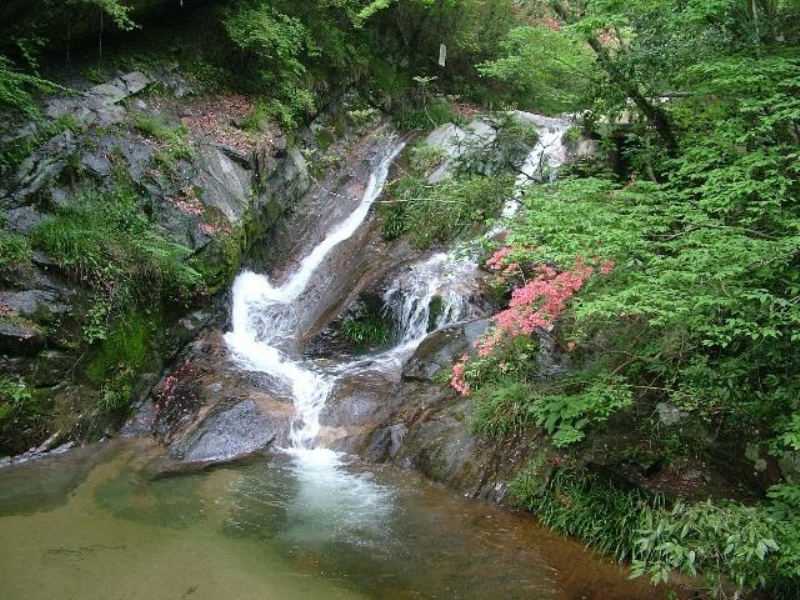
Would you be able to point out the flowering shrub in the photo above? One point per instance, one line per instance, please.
(534, 306)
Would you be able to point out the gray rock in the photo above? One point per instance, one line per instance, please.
(455, 142)
(100, 105)
(226, 185)
(440, 349)
(39, 171)
(227, 434)
(34, 302)
(670, 415)
(20, 338)
(24, 219)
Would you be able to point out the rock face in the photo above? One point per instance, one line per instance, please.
(207, 411)
(211, 198)
(424, 425)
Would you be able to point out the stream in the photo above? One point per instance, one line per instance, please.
(305, 522)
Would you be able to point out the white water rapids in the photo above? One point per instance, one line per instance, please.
(264, 312)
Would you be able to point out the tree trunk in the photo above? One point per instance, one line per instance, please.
(654, 113)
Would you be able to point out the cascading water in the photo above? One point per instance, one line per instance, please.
(542, 162)
(434, 293)
(264, 317)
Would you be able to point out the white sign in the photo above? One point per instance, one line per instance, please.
(442, 55)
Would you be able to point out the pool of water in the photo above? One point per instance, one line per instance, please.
(109, 522)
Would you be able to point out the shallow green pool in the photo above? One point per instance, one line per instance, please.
(107, 522)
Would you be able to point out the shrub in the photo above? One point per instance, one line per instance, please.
(15, 255)
(107, 242)
(434, 214)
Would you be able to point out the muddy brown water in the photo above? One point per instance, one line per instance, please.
(101, 523)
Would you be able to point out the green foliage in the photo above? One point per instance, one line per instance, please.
(18, 89)
(14, 396)
(751, 546)
(106, 241)
(501, 407)
(720, 540)
(545, 69)
(434, 214)
(784, 510)
(580, 503)
(278, 45)
(15, 255)
(566, 415)
(118, 12)
(126, 350)
(423, 158)
(426, 118)
(20, 412)
(127, 347)
(365, 330)
(707, 287)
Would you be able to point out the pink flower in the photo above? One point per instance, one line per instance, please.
(458, 378)
(496, 261)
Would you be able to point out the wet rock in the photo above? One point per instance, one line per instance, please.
(439, 350)
(20, 338)
(226, 434)
(45, 369)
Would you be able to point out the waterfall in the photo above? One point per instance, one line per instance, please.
(434, 292)
(430, 294)
(452, 277)
(542, 162)
(264, 314)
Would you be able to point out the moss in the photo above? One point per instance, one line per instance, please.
(435, 311)
(325, 139)
(128, 348)
(221, 259)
